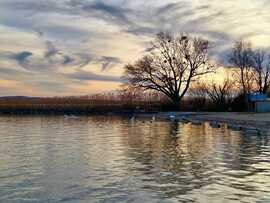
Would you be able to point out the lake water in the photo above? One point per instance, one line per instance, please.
(113, 159)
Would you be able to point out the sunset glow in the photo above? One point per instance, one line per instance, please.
(73, 47)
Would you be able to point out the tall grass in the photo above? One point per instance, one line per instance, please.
(119, 102)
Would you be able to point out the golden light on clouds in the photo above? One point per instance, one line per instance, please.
(55, 48)
(95, 87)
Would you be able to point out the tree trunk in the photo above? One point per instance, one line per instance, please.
(264, 91)
(176, 103)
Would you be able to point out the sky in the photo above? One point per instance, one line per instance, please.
(79, 47)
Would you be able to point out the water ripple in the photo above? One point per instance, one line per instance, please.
(111, 159)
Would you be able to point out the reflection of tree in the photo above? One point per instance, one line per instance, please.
(164, 152)
(184, 157)
(174, 128)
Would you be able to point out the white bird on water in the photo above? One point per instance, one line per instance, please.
(153, 118)
(172, 117)
(132, 119)
(71, 117)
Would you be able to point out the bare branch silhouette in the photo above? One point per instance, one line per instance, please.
(241, 58)
(261, 65)
(173, 64)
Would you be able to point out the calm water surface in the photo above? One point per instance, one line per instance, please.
(112, 159)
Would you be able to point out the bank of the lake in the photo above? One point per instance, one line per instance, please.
(248, 121)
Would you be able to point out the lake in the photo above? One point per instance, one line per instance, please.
(113, 159)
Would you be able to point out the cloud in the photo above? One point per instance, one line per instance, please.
(10, 73)
(168, 8)
(22, 57)
(53, 86)
(93, 38)
(50, 60)
(102, 10)
(87, 75)
(108, 62)
(51, 50)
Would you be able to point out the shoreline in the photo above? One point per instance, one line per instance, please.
(245, 121)
(258, 123)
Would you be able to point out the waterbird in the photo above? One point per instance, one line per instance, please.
(132, 118)
(172, 117)
(71, 117)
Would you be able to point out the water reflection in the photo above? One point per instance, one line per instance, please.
(99, 159)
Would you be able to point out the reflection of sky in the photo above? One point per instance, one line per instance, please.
(69, 47)
(114, 159)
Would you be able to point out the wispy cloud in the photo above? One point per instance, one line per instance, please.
(89, 40)
(87, 75)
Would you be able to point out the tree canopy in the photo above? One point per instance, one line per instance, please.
(173, 63)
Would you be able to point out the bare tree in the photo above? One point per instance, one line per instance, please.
(174, 62)
(198, 94)
(261, 65)
(241, 58)
(221, 94)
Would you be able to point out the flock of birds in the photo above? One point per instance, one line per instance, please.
(172, 117)
(132, 119)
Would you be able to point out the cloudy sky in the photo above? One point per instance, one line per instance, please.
(78, 47)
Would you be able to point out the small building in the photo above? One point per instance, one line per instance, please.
(262, 106)
(259, 103)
